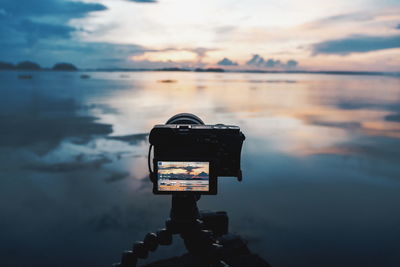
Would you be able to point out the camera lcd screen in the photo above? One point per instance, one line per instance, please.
(183, 176)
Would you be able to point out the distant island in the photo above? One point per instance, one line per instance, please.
(172, 69)
(196, 69)
(6, 66)
(24, 65)
(209, 70)
(29, 65)
(64, 66)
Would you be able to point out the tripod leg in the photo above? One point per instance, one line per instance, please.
(216, 221)
(141, 249)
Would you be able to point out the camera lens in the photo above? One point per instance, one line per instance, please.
(185, 118)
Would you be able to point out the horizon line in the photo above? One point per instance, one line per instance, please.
(218, 70)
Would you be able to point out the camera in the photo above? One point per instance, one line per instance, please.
(189, 155)
(188, 158)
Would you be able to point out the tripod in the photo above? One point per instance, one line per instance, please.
(205, 235)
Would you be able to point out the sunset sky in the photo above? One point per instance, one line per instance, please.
(253, 34)
(193, 168)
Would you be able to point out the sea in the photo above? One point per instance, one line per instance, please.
(321, 164)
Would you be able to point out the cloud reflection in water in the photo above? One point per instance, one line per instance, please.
(320, 164)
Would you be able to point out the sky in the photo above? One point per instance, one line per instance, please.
(341, 35)
(194, 168)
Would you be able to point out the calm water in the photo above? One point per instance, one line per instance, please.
(321, 165)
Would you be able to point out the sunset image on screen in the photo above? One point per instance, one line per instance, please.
(183, 176)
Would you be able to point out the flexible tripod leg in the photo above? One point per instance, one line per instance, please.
(141, 249)
(210, 229)
(199, 242)
(199, 231)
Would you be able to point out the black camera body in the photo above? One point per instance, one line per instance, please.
(186, 155)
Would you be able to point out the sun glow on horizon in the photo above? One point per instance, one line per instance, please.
(175, 55)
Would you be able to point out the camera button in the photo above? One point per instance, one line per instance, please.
(184, 126)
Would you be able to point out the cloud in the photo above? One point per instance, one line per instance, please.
(40, 30)
(28, 8)
(132, 139)
(256, 60)
(188, 169)
(171, 57)
(225, 29)
(340, 19)
(34, 31)
(81, 54)
(259, 61)
(398, 27)
(144, 1)
(292, 63)
(117, 176)
(201, 52)
(315, 120)
(271, 63)
(394, 117)
(356, 44)
(227, 62)
(70, 166)
(17, 122)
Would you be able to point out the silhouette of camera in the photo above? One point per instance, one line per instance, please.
(189, 155)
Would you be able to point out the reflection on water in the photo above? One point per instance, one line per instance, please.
(321, 174)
